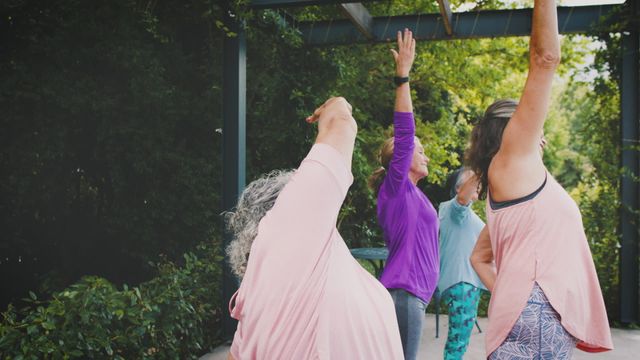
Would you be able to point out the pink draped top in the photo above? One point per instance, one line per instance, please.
(542, 240)
(303, 295)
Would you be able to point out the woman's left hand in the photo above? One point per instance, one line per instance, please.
(406, 53)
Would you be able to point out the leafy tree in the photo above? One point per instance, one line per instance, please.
(108, 137)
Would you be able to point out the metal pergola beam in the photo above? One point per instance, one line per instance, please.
(445, 12)
(467, 25)
(360, 18)
(630, 161)
(271, 4)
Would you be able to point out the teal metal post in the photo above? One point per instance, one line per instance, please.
(629, 184)
(234, 89)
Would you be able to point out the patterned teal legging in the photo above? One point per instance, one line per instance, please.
(462, 299)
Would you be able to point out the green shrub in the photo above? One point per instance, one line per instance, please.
(174, 316)
(598, 201)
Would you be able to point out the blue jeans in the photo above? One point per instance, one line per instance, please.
(410, 313)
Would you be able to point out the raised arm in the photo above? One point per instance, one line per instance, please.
(468, 191)
(336, 126)
(404, 57)
(404, 128)
(482, 259)
(518, 161)
(522, 134)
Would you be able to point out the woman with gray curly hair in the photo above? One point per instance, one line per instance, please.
(254, 202)
(302, 293)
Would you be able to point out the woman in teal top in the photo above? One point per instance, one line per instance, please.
(459, 283)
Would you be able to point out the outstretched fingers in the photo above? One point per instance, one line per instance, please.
(405, 54)
(409, 42)
(408, 35)
(318, 112)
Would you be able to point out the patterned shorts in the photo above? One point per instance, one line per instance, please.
(537, 334)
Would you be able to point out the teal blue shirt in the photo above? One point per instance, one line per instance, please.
(459, 230)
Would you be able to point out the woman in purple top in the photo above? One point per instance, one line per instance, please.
(407, 218)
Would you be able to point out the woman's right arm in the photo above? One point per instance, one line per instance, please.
(403, 123)
(522, 134)
(482, 259)
(520, 149)
(460, 207)
(336, 126)
(468, 189)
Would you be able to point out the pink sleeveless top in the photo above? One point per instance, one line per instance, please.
(542, 240)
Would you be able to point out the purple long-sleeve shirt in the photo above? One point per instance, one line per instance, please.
(408, 219)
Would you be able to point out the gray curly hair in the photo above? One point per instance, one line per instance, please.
(256, 199)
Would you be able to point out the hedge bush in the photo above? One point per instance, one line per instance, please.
(174, 316)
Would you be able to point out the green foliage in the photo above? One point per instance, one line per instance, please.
(598, 201)
(583, 130)
(174, 316)
(598, 193)
(109, 111)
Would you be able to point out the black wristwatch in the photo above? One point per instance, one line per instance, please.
(400, 80)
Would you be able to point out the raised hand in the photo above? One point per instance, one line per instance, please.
(336, 126)
(405, 54)
(334, 106)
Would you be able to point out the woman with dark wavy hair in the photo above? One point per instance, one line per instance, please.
(545, 295)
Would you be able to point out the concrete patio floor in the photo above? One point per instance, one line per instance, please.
(626, 343)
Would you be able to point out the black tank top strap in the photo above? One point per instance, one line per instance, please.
(497, 205)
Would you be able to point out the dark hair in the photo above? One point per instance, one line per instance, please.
(486, 138)
(385, 155)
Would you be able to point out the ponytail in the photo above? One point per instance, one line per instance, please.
(385, 154)
(376, 179)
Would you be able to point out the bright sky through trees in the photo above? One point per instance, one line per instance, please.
(589, 2)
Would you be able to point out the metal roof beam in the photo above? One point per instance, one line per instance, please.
(360, 17)
(445, 11)
(467, 25)
(270, 4)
